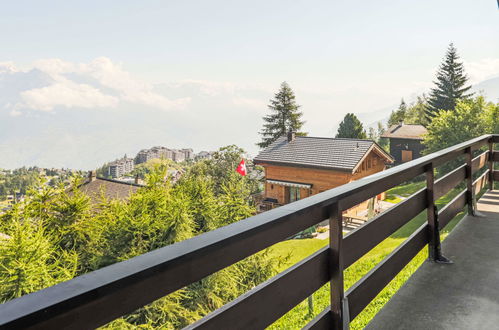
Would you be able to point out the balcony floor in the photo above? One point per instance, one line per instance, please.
(463, 295)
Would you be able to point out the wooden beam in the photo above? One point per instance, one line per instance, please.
(264, 304)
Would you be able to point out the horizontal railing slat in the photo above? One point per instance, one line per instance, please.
(495, 156)
(361, 240)
(479, 161)
(449, 181)
(449, 211)
(320, 322)
(480, 144)
(379, 186)
(264, 304)
(481, 182)
(362, 292)
(495, 175)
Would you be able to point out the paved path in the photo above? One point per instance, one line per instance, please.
(464, 295)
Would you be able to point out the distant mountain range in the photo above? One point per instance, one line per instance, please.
(490, 88)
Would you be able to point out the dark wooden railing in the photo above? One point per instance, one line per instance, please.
(96, 298)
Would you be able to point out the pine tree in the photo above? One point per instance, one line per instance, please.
(415, 113)
(285, 116)
(398, 116)
(450, 85)
(30, 259)
(351, 128)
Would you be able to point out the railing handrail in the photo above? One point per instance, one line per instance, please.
(182, 263)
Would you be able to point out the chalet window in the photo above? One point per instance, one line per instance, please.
(374, 161)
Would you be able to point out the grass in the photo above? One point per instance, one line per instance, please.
(406, 190)
(299, 249)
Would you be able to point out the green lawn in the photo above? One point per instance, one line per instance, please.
(299, 249)
(403, 190)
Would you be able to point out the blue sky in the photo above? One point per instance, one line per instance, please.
(219, 62)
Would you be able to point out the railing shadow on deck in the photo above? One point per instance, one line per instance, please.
(96, 298)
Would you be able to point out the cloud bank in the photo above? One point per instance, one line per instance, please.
(100, 83)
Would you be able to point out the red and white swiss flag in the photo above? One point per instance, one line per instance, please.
(241, 168)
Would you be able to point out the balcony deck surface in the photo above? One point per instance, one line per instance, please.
(463, 295)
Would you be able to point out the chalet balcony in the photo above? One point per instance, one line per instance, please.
(463, 294)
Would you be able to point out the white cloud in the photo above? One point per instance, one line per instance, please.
(482, 69)
(66, 94)
(258, 104)
(109, 85)
(7, 67)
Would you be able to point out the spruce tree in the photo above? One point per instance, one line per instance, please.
(450, 86)
(398, 115)
(285, 116)
(351, 128)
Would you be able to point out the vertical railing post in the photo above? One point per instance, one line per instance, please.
(434, 247)
(469, 182)
(491, 164)
(339, 308)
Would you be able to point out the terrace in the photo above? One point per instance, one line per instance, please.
(438, 295)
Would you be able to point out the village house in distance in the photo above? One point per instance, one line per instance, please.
(300, 166)
(405, 141)
(96, 188)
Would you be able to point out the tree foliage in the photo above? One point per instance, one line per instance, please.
(285, 115)
(398, 116)
(351, 128)
(450, 86)
(18, 181)
(58, 233)
(416, 112)
(412, 114)
(470, 118)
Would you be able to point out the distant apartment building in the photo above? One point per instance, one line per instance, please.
(163, 153)
(204, 155)
(178, 156)
(142, 157)
(189, 153)
(120, 167)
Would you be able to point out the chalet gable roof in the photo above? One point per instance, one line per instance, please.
(112, 189)
(405, 131)
(319, 152)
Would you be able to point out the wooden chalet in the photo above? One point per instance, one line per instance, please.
(300, 166)
(405, 141)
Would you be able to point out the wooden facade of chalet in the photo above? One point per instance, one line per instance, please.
(297, 167)
(405, 141)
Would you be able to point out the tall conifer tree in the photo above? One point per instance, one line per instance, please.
(285, 116)
(351, 128)
(398, 115)
(450, 86)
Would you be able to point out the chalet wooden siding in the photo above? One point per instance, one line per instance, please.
(399, 146)
(405, 141)
(321, 180)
